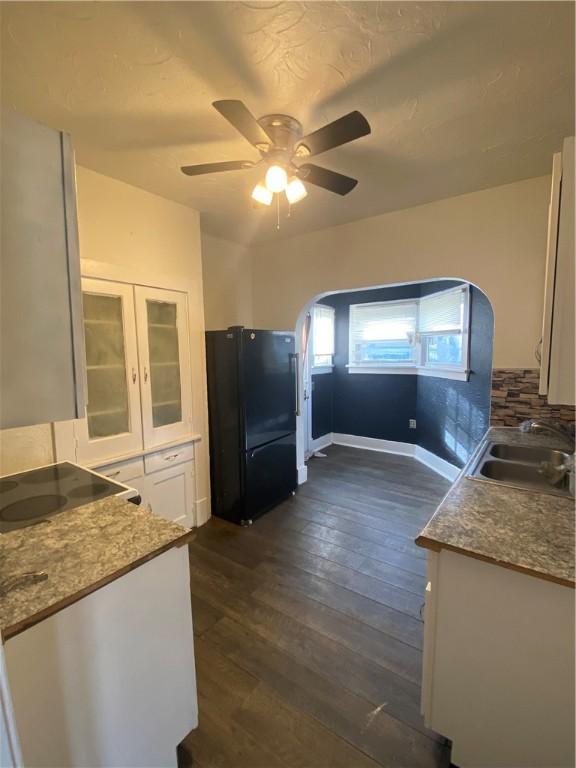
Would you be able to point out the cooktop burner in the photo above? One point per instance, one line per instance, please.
(28, 497)
(28, 509)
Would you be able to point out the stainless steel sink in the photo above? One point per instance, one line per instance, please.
(528, 454)
(523, 467)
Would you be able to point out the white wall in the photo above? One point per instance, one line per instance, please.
(129, 234)
(227, 278)
(495, 238)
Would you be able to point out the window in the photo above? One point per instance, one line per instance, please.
(443, 327)
(427, 335)
(382, 333)
(322, 336)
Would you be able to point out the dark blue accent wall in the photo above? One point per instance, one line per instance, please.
(451, 415)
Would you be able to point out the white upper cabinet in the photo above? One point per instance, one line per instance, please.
(113, 423)
(137, 369)
(41, 338)
(163, 349)
(558, 339)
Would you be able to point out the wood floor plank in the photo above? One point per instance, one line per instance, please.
(318, 652)
(299, 740)
(326, 550)
(383, 649)
(382, 520)
(370, 729)
(307, 629)
(376, 615)
(370, 549)
(396, 597)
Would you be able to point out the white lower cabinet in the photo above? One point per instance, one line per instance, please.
(109, 680)
(165, 481)
(170, 493)
(498, 666)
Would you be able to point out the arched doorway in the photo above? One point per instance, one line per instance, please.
(435, 412)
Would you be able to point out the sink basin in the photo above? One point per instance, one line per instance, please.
(524, 475)
(528, 454)
(521, 467)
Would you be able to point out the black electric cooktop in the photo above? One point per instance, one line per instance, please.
(31, 497)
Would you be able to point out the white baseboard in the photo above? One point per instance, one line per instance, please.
(302, 474)
(374, 444)
(440, 466)
(321, 442)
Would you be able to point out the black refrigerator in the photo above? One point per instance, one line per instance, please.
(252, 385)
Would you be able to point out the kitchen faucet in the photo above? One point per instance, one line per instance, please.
(534, 426)
(555, 474)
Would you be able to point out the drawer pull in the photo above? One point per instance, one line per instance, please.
(171, 457)
(113, 474)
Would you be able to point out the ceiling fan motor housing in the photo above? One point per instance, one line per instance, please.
(284, 131)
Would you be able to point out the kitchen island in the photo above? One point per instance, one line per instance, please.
(498, 666)
(99, 655)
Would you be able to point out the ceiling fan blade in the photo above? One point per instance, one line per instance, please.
(330, 180)
(230, 165)
(347, 128)
(238, 115)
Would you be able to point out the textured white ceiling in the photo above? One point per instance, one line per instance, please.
(460, 95)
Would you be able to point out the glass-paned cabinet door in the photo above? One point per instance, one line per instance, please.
(162, 322)
(113, 424)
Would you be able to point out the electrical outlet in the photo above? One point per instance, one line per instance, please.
(412, 423)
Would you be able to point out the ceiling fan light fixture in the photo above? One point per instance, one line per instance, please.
(276, 179)
(295, 191)
(261, 194)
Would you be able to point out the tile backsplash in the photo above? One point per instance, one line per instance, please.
(515, 398)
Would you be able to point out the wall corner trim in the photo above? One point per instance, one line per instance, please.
(429, 459)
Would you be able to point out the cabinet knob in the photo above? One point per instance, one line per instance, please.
(171, 457)
(145, 373)
(133, 375)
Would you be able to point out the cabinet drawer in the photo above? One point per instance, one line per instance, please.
(169, 457)
(122, 471)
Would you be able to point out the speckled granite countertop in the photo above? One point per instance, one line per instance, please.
(81, 549)
(520, 529)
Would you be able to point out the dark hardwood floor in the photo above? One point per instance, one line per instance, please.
(307, 625)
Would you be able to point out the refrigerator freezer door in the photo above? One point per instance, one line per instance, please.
(269, 386)
(270, 475)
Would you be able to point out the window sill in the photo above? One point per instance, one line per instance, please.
(412, 370)
(321, 369)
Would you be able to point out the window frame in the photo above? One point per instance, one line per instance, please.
(323, 367)
(420, 366)
(376, 364)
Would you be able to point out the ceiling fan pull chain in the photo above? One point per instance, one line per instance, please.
(277, 211)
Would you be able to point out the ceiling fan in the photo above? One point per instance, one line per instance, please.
(281, 144)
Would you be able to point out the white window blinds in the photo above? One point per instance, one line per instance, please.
(442, 313)
(382, 332)
(323, 330)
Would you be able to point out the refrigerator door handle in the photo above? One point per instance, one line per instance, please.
(295, 357)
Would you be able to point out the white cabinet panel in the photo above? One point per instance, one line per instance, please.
(557, 367)
(170, 493)
(113, 423)
(41, 378)
(164, 352)
(110, 680)
(171, 456)
(498, 677)
(123, 471)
